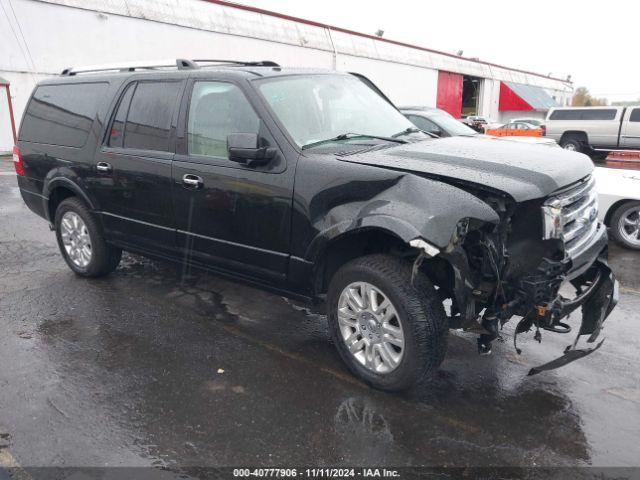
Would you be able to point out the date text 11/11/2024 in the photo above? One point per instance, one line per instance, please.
(316, 472)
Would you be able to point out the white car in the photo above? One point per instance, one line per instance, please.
(619, 204)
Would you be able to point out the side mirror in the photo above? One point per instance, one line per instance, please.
(244, 148)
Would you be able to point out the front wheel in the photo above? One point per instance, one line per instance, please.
(81, 241)
(391, 332)
(625, 225)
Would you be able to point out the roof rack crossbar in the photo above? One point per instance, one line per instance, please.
(179, 63)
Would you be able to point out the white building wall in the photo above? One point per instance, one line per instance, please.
(45, 36)
(489, 99)
(405, 85)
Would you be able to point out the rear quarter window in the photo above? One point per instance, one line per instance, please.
(62, 114)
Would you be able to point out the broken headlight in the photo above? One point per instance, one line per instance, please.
(553, 221)
(571, 215)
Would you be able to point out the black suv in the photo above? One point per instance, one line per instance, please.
(313, 185)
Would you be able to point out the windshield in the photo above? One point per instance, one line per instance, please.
(452, 126)
(319, 107)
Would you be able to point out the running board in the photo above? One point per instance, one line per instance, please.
(615, 150)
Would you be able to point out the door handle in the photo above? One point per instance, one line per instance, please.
(104, 167)
(192, 181)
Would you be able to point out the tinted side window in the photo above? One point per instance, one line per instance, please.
(565, 115)
(635, 115)
(598, 114)
(149, 120)
(585, 114)
(116, 136)
(216, 110)
(62, 114)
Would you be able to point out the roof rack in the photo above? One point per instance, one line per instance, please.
(261, 63)
(179, 63)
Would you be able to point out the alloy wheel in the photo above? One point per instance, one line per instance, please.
(629, 225)
(76, 239)
(370, 327)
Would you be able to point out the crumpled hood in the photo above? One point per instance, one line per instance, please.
(523, 171)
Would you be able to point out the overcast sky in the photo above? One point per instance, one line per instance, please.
(594, 41)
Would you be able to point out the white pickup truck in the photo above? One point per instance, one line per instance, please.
(595, 131)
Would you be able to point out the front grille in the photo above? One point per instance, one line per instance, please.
(576, 211)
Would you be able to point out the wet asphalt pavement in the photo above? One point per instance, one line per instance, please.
(155, 366)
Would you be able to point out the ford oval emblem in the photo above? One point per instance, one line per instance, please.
(588, 217)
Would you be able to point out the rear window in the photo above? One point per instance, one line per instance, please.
(584, 114)
(62, 114)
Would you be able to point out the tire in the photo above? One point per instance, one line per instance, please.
(623, 232)
(103, 258)
(572, 144)
(420, 314)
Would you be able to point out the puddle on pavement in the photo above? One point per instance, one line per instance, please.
(153, 366)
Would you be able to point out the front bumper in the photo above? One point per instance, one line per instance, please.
(590, 253)
(597, 300)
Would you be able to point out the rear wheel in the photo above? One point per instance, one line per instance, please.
(625, 225)
(81, 241)
(390, 331)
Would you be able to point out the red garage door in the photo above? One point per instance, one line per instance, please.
(450, 93)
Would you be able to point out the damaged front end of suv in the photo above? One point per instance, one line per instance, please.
(404, 235)
(526, 265)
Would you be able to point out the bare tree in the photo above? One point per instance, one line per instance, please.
(582, 98)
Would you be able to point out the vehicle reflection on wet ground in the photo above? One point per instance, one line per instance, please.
(156, 366)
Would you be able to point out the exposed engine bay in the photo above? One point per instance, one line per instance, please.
(511, 270)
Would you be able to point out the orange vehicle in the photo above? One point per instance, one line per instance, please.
(516, 129)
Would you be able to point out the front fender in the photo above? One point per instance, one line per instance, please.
(411, 207)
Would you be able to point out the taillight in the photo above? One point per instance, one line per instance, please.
(17, 161)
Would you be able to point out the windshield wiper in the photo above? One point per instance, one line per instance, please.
(414, 130)
(406, 131)
(350, 135)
